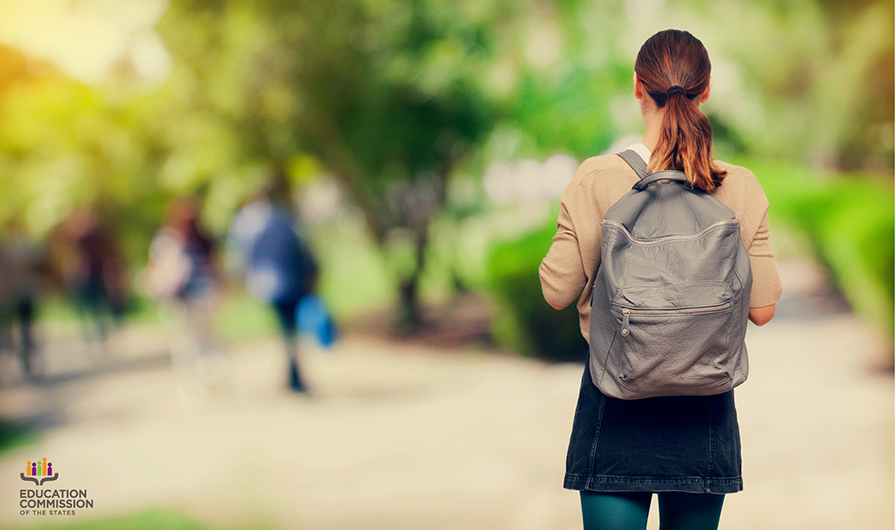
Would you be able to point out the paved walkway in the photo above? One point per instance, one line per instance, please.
(408, 438)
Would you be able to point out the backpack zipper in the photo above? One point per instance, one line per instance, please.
(626, 313)
(632, 239)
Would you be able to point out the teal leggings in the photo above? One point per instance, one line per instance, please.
(628, 511)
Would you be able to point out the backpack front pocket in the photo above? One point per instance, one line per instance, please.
(673, 351)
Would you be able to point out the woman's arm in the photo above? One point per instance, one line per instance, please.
(761, 315)
(766, 286)
(561, 271)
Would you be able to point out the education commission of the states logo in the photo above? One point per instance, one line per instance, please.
(39, 471)
(38, 501)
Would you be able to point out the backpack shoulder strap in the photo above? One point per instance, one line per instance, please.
(636, 163)
(646, 179)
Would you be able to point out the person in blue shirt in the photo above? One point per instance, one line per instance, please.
(265, 247)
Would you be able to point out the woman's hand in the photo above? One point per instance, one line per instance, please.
(761, 315)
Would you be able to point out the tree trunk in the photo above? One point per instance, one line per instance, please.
(410, 314)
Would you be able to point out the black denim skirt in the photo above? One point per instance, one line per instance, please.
(688, 444)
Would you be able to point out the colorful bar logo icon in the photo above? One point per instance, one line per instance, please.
(39, 468)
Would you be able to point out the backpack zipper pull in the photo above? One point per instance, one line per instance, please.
(625, 322)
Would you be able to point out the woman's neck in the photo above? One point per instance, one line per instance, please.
(652, 123)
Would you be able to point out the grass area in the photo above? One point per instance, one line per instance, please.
(355, 278)
(239, 317)
(148, 520)
(354, 275)
(14, 435)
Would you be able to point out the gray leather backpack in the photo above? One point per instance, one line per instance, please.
(671, 299)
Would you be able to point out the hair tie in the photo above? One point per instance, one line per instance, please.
(675, 90)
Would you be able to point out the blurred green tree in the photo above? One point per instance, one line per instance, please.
(808, 80)
(385, 95)
(65, 144)
(392, 97)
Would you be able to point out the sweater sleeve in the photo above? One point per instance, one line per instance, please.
(766, 285)
(561, 271)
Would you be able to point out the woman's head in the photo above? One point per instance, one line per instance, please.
(673, 68)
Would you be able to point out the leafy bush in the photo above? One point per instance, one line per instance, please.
(523, 322)
(850, 222)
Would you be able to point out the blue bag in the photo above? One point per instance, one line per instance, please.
(313, 318)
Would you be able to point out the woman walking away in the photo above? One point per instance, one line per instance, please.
(182, 275)
(279, 269)
(682, 445)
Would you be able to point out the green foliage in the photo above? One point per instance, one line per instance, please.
(13, 436)
(149, 520)
(239, 317)
(522, 321)
(384, 95)
(816, 82)
(64, 144)
(850, 221)
(396, 98)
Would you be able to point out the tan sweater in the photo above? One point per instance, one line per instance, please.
(570, 267)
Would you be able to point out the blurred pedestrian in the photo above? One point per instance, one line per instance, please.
(264, 246)
(94, 272)
(22, 266)
(685, 448)
(182, 276)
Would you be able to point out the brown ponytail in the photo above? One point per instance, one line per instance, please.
(674, 68)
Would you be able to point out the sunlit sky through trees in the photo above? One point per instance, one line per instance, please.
(85, 38)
